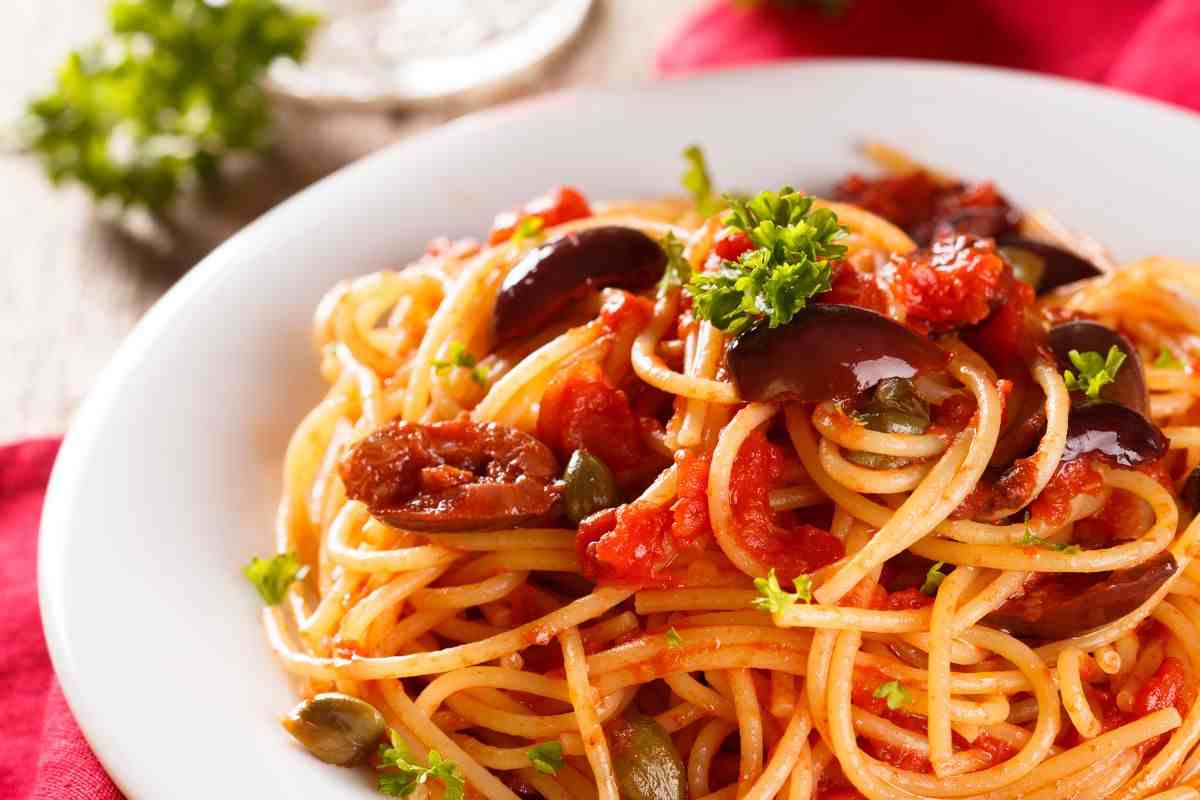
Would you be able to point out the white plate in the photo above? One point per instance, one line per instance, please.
(168, 479)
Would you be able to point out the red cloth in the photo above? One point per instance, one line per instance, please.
(1147, 46)
(43, 756)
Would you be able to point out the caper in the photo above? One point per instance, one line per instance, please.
(337, 728)
(1027, 266)
(895, 408)
(590, 486)
(646, 763)
(876, 460)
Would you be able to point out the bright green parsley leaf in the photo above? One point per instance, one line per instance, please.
(1167, 360)
(774, 599)
(1094, 371)
(674, 639)
(1029, 540)
(403, 775)
(157, 103)
(933, 579)
(698, 182)
(791, 263)
(457, 356)
(272, 576)
(678, 271)
(547, 757)
(528, 228)
(894, 693)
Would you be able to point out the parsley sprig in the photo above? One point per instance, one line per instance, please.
(894, 694)
(1029, 540)
(933, 579)
(457, 356)
(790, 263)
(272, 576)
(678, 271)
(1167, 359)
(546, 758)
(402, 775)
(697, 180)
(674, 640)
(528, 228)
(1095, 371)
(774, 599)
(159, 102)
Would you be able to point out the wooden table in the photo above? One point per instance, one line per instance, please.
(72, 285)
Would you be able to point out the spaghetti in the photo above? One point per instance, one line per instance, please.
(886, 496)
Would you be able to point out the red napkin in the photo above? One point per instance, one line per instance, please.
(43, 756)
(1151, 47)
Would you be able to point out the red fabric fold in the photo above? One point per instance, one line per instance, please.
(43, 756)
(1144, 46)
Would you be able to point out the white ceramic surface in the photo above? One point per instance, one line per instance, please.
(168, 479)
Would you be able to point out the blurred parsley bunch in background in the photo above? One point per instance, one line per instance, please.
(155, 105)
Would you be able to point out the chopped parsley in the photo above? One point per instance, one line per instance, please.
(790, 264)
(678, 270)
(158, 102)
(933, 579)
(402, 775)
(272, 576)
(674, 639)
(698, 182)
(547, 757)
(1167, 360)
(457, 356)
(894, 694)
(774, 599)
(528, 228)
(1029, 540)
(1094, 371)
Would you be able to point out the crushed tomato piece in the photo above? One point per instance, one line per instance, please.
(581, 411)
(560, 204)
(955, 283)
(731, 243)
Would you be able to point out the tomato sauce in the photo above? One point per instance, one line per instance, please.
(560, 204)
(1075, 477)
(954, 283)
(630, 545)
(850, 287)
(581, 410)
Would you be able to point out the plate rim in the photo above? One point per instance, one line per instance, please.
(84, 429)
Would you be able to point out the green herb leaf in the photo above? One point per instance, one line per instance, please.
(674, 640)
(1167, 360)
(156, 104)
(547, 757)
(678, 270)
(272, 576)
(1029, 540)
(457, 356)
(528, 228)
(403, 775)
(933, 578)
(894, 693)
(795, 244)
(698, 182)
(774, 599)
(1094, 371)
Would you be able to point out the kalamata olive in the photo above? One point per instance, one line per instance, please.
(1115, 433)
(590, 486)
(450, 476)
(646, 763)
(1190, 493)
(337, 728)
(1042, 265)
(827, 352)
(1129, 387)
(1066, 604)
(569, 267)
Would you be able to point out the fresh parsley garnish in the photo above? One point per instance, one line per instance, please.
(272, 576)
(933, 579)
(528, 228)
(457, 356)
(1094, 371)
(1167, 359)
(402, 775)
(794, 245)
(157, 103)
(547, 757)
(1029, 540)
(894, 694)
(674, 639)
(678, 270)
(698, 182)
(774, 599)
